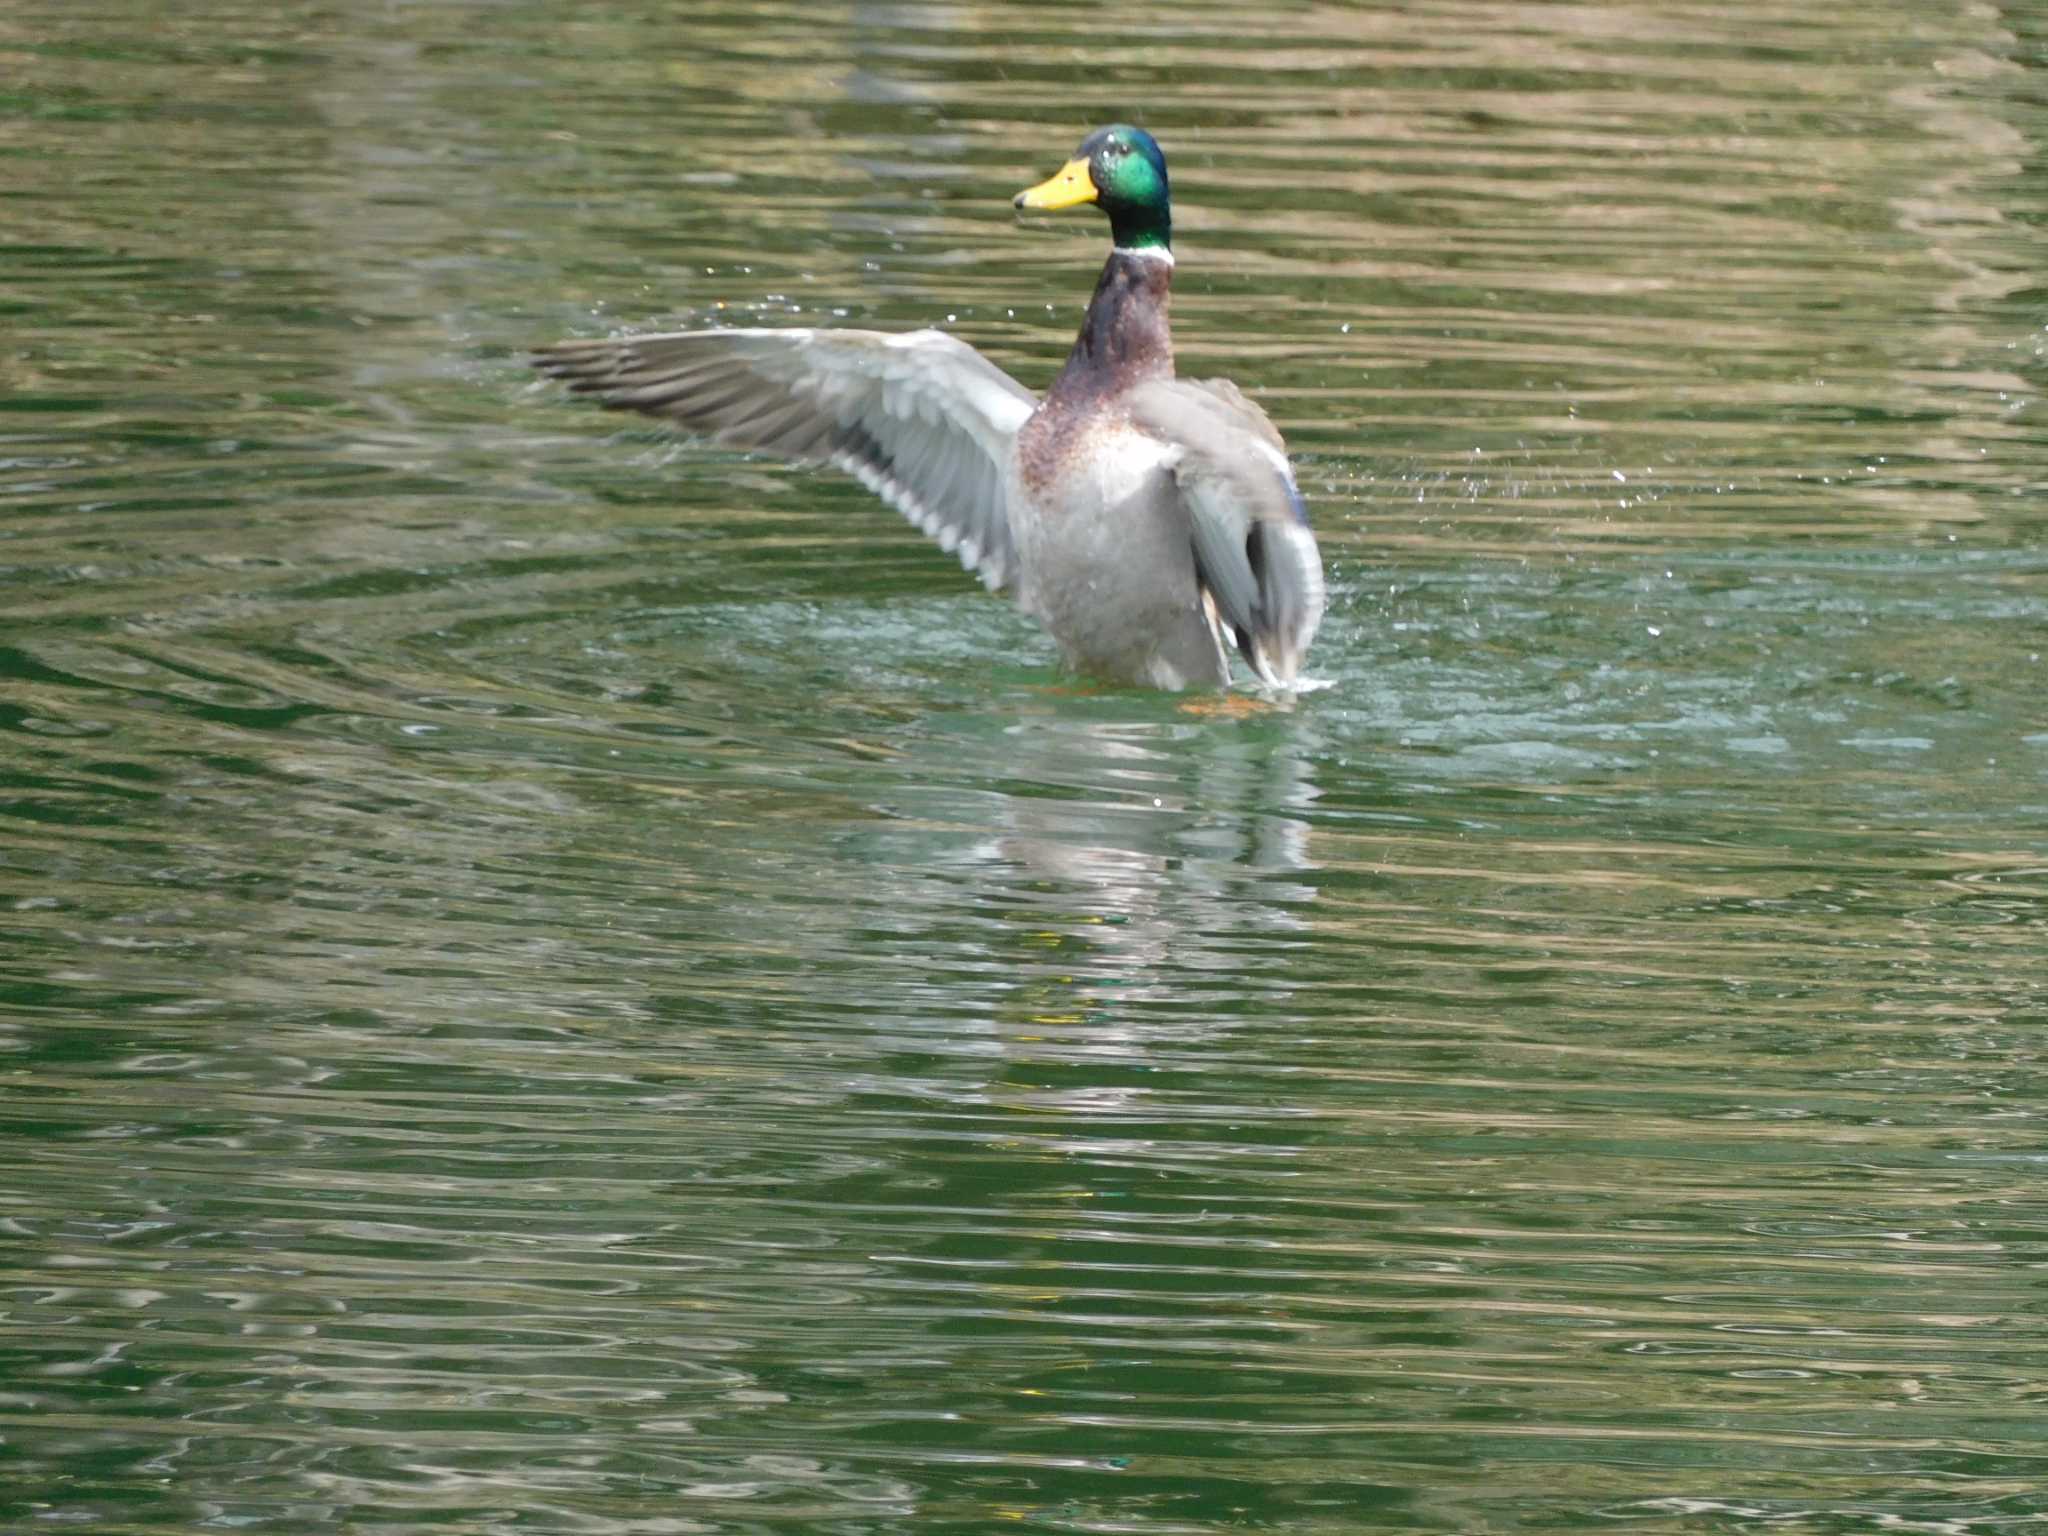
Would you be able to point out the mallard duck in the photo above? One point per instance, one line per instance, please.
(1149, 522)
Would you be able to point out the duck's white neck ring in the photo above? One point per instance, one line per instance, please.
(1146, 252)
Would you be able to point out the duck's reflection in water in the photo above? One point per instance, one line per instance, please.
(1143, 878)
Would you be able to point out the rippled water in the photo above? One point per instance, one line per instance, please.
(559, 983)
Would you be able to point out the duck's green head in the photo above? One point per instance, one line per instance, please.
(1122, 172)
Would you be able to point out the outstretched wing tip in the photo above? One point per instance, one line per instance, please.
(919, 418)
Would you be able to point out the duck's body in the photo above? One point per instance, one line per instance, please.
(1106, 562)
(1145, 521)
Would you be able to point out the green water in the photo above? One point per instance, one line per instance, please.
(558, 983)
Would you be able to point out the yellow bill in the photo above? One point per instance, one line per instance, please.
(1068, 187)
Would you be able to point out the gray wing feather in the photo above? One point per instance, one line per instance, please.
(1254, 553)
(921, 419)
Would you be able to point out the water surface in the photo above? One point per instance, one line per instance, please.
(560, 983)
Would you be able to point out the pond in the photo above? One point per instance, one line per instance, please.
(559, 981)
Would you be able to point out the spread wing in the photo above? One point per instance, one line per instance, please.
(921, 419)
(1253, 550)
